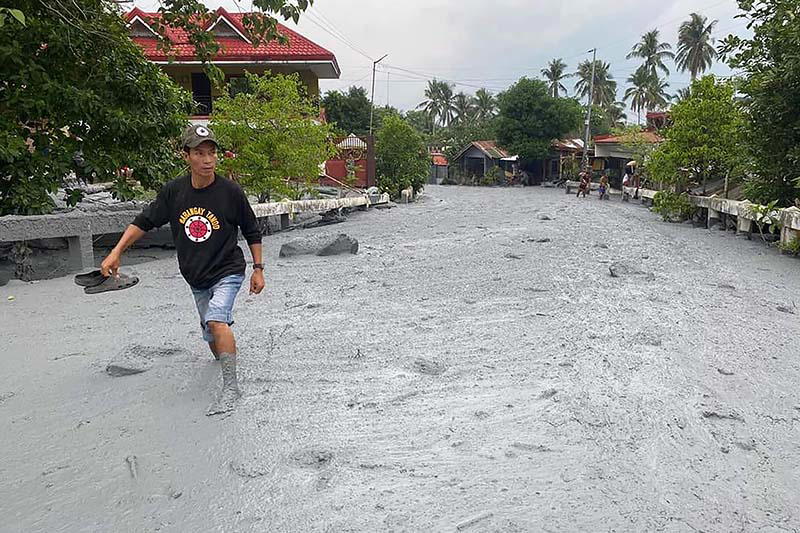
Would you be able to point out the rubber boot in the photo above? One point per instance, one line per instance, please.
(226, 401)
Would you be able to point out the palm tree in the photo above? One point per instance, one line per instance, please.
(554, 74)
(485, 104)
(657, 95)
(431, 103)
(653, 52)
(695, 52)
(616, 114)
(638, 90)
(463, 109)
(447, 109)
(682, 95)
(438, 103)
(605, 88)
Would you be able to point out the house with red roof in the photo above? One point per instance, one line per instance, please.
(614, 152)
(238, 55)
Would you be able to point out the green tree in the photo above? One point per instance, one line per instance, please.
(637, 93)
(348, 111)
(485, 104)
(616, 114)
(420, 120)
(705, 138)
(555, 74)
(771, 67)
(657, 95)
(647, 92)
(463, 109)
(439, 102)
(79, 96)
(605, 88)
(456, 136)
(530, 118)
(605, 120)
(695, 51)
(278, 145)
(401, 158)
(653, 52)
(381, 112)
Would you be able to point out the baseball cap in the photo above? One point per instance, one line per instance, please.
(196, 134)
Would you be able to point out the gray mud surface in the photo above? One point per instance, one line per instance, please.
(461, 372)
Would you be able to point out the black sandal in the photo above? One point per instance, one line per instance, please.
(113, 283)
(92, 279)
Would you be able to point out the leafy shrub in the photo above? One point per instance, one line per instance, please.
(792, 247)
(270, 128)
(495, 176)
(402, 160)
(673, 207)
(766, 216)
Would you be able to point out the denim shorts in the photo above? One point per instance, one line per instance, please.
(215, 304)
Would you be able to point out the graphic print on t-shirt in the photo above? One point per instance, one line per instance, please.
(199, 223)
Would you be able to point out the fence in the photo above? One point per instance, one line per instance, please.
(354, 164)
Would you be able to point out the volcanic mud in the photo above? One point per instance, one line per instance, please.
(432, 382)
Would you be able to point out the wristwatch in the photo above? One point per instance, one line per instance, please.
(258, 266)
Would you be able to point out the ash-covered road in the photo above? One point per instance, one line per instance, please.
(474, 365)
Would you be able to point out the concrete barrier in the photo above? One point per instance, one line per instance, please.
(720, 211)
(79, 227)
(574, 185)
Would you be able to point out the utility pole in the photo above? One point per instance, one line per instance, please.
(585, 161)
(372, 99)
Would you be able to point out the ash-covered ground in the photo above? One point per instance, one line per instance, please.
(475, 366)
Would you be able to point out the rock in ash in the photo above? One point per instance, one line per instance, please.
(320, 245)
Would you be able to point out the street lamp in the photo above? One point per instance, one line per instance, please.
(372, 99)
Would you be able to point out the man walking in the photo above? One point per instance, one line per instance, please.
(205, 212)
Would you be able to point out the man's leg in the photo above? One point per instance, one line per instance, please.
(225, 345)
(224, 341)
(218, 320)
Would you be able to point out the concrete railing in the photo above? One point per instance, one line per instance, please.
(719, 209)
(79, 227)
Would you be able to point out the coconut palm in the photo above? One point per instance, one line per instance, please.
(463, 109)
(637, 92)
(682, 95)
(485, 104)
(432, 100)
(616, 114)
(657, 95)
(605, 88)
(555, 73)
(439, 102)
(447, 109)
(695, 51)
(653, 52)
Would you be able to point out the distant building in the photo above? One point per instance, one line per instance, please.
(439, 168)
(311, 61)
(614, 152)
(479, 157)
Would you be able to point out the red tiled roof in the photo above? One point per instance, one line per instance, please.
(646, 136)
(439, 160)
(656, 114)
(233, 49)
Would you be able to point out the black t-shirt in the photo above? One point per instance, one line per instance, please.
(205, 227)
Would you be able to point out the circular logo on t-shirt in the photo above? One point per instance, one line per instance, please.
(198, 228)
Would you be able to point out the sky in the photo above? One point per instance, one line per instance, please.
(487, 44)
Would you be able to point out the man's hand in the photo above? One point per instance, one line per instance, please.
(257, 282)
(110, 265)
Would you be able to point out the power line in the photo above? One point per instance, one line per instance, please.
(332, 32)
